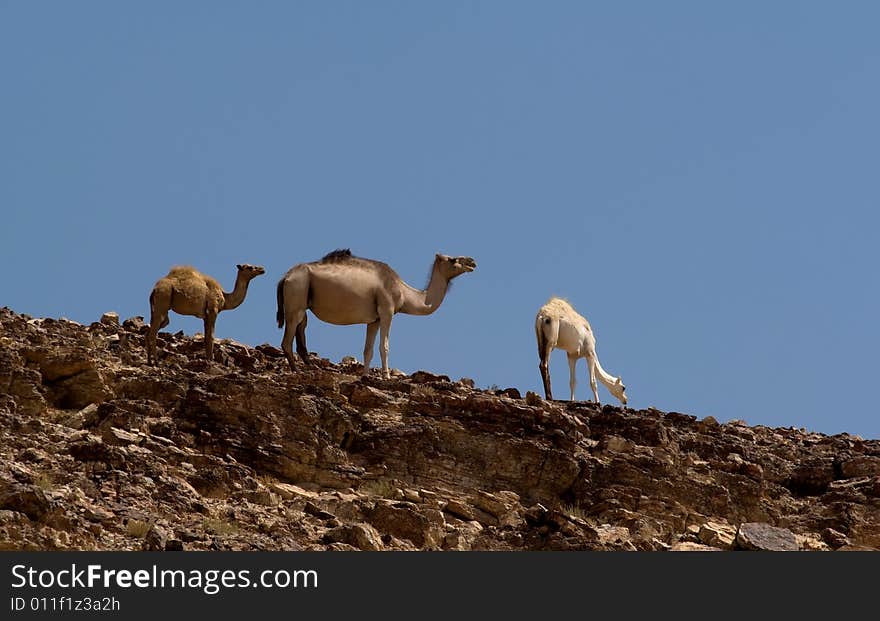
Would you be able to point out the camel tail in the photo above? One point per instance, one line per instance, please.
(280, 314)
(153, 300)
(541, 337)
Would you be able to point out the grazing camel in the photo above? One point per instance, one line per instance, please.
(558, 325)
(187, 291)
(343, 289)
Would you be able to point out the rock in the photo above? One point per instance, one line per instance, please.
(512, 393)
(135, 324)
(812, 543)
(110, 319)
(287, 492)
(312, 509)
(536, 514)
(533, 399)
(424, 377)
(614, 536)
(27, 499)
(856, 548)
(156, 538)
(462, 537)
(361, 536)
(403, 520)
(812, 476)
(834, 538)
(366, 396)
(616, 444)
(690, 546)
(459, 509)
(411, 495)
(861, 467)
(498, 504)
(263, 497)
(718, 535)
(761, 536)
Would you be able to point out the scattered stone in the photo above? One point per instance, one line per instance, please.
(404, 521)
(834, 538)
(533, 399)
(319, 513)
(361, 536)
(424, 377)
(459, 509)
(512, 393)
(27, 499)
(761, 536)
(812, 543)
(690, 546)
(156, 538)
(135, 324)
(110, 319)
(718, 535)
(861, 467)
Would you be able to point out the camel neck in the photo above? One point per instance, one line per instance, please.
(604, 376)
(234, 299)
(425, 302)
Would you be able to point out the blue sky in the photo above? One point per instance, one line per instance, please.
(698, 179)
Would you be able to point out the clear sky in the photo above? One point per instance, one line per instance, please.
(699, 179)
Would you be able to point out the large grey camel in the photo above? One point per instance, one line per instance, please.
(187, 291)
(343, 289)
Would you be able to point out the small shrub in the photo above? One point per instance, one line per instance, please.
(137, 528)
(217, 526)
(574, 511)
(382, 488)
(44, 481)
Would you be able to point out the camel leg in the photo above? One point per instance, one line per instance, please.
(151, 341)
(209, 336)
(591, 366)
(546, 343)
(384, 329)
(291, 324)
(372, 329)
(545, 376)
(158, 320)
(301, 348)
(572, 381)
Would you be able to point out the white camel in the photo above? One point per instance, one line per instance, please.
(559, 326)
(343, 289)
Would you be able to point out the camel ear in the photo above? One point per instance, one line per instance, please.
(239, 266)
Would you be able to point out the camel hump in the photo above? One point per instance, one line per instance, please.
(337, 255)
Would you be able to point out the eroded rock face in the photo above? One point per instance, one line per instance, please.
(100, 451)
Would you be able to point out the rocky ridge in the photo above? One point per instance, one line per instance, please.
(100, 451)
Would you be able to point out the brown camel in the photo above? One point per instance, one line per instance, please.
(343, 289)
(558, 325)
(187, 291)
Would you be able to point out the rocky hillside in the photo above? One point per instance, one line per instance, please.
(100, 451)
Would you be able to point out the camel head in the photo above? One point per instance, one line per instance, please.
(250, 271)
(450, 267)
(618, 390)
